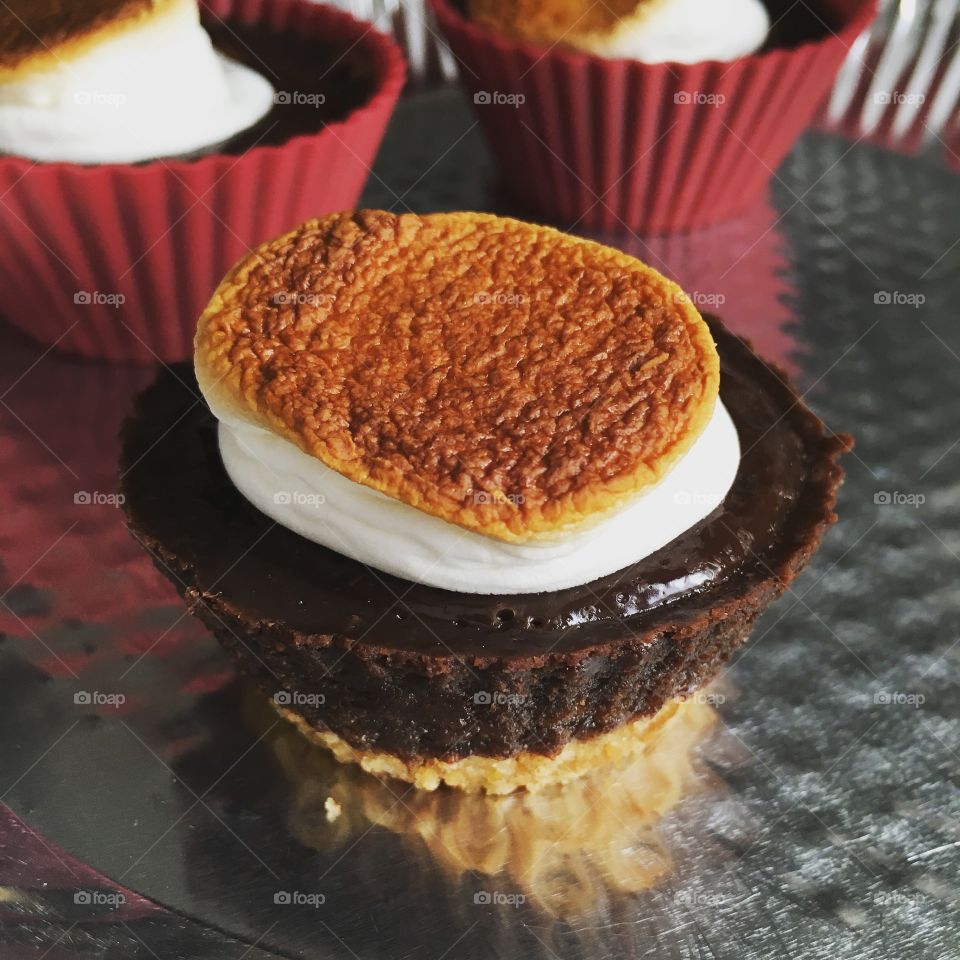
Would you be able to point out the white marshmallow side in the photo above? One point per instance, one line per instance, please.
(690, 31)
(156, 89)
(304, 495)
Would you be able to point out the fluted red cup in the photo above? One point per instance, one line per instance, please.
(617, 145)
(116, 261)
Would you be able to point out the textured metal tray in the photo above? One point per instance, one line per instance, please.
(808, 809)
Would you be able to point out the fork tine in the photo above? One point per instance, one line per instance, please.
(385, 10)
(863, 51)
(898, 53)
(357, 8)
(918, 85)
(416, 36)
(849, 77)
(946, 99)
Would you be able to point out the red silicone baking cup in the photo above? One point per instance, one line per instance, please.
(117, 261)
(623, 146)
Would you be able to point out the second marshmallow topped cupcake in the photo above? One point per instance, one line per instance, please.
(150, 124)
(118, 81)
(645, 116)
(491, 515)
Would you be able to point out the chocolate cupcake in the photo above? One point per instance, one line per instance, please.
(159, 122)
(471, 499)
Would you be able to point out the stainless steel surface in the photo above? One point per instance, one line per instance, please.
(820, 820)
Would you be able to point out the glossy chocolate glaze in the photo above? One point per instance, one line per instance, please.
(335, 74)
(179, 496)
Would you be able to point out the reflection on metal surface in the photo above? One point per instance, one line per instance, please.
(739, 270)
(555, 847)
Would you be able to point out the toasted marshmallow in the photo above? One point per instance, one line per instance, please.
(465, 400)
(688, 31)
(143, 85)
(652, 31)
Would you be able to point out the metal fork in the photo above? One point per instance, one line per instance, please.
(913, 58)
(412, 24)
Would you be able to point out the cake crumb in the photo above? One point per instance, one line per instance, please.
(333, 809)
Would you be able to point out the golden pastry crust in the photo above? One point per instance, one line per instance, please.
(527, 771)
(37, 34)
(585, 24)
(505, 377)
